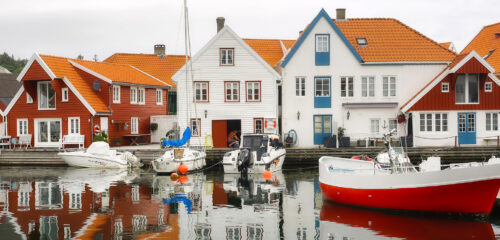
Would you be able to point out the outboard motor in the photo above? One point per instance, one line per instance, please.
(244, 161)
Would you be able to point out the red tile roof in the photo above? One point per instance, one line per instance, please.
(389, 40)
(488, 39)
(270, 50)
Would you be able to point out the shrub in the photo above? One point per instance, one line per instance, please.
(99, 138)
(153, 126)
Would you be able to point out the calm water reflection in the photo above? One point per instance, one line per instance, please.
(63, 203)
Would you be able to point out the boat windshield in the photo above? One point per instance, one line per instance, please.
(254, 142)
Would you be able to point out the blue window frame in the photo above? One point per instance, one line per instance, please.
(322, 92)
(322, 49)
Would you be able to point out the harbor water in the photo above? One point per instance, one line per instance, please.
(77, 203)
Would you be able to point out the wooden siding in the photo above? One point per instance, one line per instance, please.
(473, 66)
(36, 72)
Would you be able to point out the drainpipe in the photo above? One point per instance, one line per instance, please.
(91, 129)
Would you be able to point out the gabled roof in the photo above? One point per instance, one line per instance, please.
(488, 39)
(160, 68)
(446, 45)
(454, 66)
(388, 41)
(271, 50)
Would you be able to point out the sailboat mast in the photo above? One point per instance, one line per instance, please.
(186, 39)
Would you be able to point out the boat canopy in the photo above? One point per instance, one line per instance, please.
(99, 148)
(177, 143)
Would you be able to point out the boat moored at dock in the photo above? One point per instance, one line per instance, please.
(99, 155)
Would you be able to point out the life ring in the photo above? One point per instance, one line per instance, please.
(270, 124)
(97, 130)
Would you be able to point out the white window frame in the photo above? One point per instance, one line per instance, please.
(116, 94)
(232, 87)
(395, 123)
(325, 87)
(196, 133)
(159, 96)
(75, 200)
(322, 43)
(74, 124)
(488, 86)
(134, 125)
(133, 95)
(64, 94)
(226, 52)
(29, 99)
(200, 86)
(256, 130)
(445, 87)
(389, 86)
(141, 96)
(466, 100)
(22, 126)
(432, 121)
(372, 120)
(300, 86)
(348, 82)
(49, 85)
(367, 86)
(491, 124)
(251, 86)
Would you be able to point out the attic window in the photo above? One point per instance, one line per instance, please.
(362, 41)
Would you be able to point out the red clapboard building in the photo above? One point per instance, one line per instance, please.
(460, 106)
(62, 96)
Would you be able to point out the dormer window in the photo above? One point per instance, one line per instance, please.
(46, 96)
(362, 41)
(226, 56)
(467, 89)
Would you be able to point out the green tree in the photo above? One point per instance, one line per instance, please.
(12, 64)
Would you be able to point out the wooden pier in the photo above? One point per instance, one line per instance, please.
(295, 158)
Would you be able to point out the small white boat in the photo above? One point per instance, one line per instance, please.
(98, 155)
(257, 153)
(171, 160)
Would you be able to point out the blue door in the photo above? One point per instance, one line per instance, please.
(466, 128)
(322, 128)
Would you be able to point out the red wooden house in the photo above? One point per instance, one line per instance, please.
(460, 106)
(62, 96)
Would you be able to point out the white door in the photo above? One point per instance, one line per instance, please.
(47, 132)
(104, 125)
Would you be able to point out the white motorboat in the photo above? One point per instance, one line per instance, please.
(257, 154)
(171, 160)
(99, 155)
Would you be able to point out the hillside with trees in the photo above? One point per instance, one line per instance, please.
(13, 65)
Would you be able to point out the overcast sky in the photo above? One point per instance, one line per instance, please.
(103, 27)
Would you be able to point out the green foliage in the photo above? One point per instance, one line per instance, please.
(100, 138)
(104, 134)
(153, 126)
(13, 65)
(340, 132)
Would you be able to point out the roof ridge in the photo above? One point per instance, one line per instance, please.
(277, 39)
(491, 25)
(149, 54)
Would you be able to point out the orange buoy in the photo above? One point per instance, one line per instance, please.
(267, 175)
(174, 176)
(183, 178)
(182, 168)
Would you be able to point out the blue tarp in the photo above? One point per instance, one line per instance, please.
(177, 143)
(179, 198)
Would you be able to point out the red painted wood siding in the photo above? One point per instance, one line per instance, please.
(473, 66)
(36, 72)
(436, 100)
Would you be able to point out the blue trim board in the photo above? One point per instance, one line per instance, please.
(321, 14)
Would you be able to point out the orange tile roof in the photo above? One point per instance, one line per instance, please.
(161, 68)
(61, 67)
(445, 45)
(389, 40)
(269, 49)
(486, 40)
(120, 73)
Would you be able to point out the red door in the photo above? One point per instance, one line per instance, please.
(219, 133)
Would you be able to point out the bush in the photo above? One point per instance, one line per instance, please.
(153, 126)
(99, 138)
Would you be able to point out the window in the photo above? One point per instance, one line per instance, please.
(29, 99)
(116, 94)
(46, 96)
(346, 86)
(201, 91)
(232, 91)
(134, 125)
(322, 43)
(467, 89)
(227, 56)
(375, 126)
(22, 126)
(195, 127)
(322, 87)
(159, 97)
(437, 122)
(75, 200)
(445, 87)
(64, 94)
(300, 86)
(74, 125)
(48, 195)
(491, 121)
(141, 96)
(389, 86)
(258, 125)
(393, 124)
(253, 91)
(133, 95)
(488, 87)
(368, 86)
(361, 41)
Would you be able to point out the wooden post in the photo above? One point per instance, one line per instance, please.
(498, 141)
(455, 141)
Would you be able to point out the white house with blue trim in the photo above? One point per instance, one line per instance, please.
(355, 74)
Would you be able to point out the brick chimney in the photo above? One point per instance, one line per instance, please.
(341, 14)
(160, 50)
(220, 23)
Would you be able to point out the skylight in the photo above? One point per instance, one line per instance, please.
(362, 41)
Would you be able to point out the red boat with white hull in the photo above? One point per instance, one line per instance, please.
(365, 183)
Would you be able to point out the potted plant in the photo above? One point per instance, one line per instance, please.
(343, 140)
(117, 141)
(153, 127)
(99, 138)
